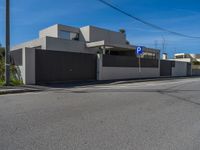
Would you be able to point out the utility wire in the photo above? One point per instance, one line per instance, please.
(145, 22)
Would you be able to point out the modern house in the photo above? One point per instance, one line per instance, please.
(187, 57)
(89, 39)
(194, 59)
(63, 53)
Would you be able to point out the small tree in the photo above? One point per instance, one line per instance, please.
(122, 31)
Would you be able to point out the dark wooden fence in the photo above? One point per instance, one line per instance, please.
(128, 61)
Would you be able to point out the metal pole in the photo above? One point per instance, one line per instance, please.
(7, 50)
(139, 63)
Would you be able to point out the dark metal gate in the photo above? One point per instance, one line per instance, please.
(166, 67)
(57, 66)
(189, 69)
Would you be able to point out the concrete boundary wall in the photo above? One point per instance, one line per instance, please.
(128, 61)
(114, 73)
(25, 64)
(196, 72)
(180, 69)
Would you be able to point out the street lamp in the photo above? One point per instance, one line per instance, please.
(7, 49)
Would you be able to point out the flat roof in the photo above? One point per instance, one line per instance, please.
(115, 46)
(109, 45)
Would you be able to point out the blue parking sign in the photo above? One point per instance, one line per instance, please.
(139, 50)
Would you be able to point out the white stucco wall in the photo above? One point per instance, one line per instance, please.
(110, 73)
(180, 69)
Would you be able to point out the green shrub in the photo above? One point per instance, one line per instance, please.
(1, 82)
(2, 68)
(13, 72)
(196, 63)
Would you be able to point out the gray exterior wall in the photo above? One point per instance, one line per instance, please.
(68, 46)
(175, 68)
(111, 73)
(92, 34)
(58, 44)
(31, 44)
(29, 66)
(26, 69)
(180, 69)
(196, 72)
(53, 31)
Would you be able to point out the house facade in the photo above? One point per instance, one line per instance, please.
(63, 53)
(194, 59)
(89, 39)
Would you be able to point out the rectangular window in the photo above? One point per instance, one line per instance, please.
(64, 34)
(74, 36)
(68, 35)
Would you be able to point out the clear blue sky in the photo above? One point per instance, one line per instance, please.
(30, 16)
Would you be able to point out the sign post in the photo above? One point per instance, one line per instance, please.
(139, 63)
(139, 52)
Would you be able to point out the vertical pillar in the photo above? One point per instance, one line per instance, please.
(28, 73)
(104, 50)
(159, 59)
(99, 66)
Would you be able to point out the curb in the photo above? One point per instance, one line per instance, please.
(15, 91)
(44, 87)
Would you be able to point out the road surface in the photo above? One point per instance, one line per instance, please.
(156, 115)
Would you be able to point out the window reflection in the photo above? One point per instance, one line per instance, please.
(68, 35)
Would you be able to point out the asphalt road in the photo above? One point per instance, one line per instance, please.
(157, 115)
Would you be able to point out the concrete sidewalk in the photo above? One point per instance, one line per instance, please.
(110, 82)
(74, 84)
